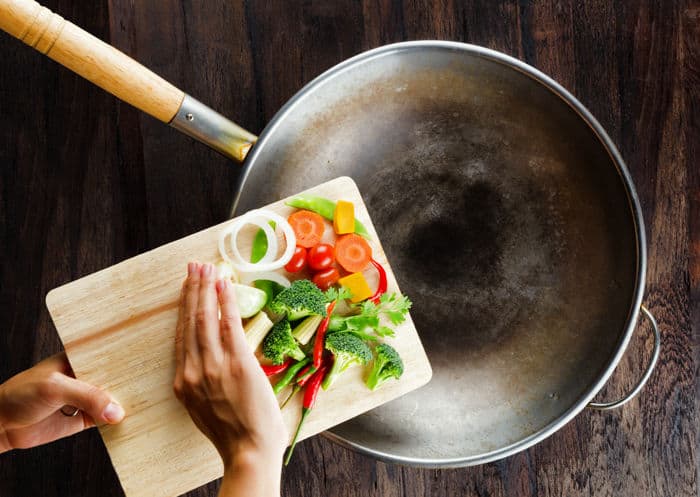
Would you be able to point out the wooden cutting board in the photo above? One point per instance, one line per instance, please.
(118, 328)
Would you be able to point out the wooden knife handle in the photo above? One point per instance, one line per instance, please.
(90, 57)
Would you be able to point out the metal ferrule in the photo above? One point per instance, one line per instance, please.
(211, 128)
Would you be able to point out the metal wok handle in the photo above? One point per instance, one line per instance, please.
(605, 406)
(121, 76)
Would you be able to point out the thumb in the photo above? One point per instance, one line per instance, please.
(90, 399)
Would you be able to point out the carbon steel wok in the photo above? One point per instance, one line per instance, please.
(507, 213)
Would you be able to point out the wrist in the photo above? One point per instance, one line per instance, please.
(249, 451)
(246, 459)
(255, 470)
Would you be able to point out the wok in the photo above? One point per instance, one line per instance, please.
(508, 215)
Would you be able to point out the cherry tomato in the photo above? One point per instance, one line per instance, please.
(324, 279)
(298, 260)
(321, 257)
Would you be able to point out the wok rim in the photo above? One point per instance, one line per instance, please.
(558, 90)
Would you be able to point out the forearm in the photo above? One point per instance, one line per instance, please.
(252, 475)
(4, 441)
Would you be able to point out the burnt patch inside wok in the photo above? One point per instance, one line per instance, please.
(474, 249)
(463, 240)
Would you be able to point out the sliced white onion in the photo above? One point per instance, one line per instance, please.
(222, 244)
(248, 278)
(264, 225)
(233, 230)
(259, 218)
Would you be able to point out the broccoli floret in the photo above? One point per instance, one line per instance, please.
(347, 350)
(280, 343)
(301, 299)
(387, 364)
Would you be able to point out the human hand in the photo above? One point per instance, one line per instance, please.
(220, 382)
(31, 403)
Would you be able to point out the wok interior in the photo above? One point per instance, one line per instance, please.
(505, 221)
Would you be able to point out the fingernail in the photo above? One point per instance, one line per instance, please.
(113, 413)
(190, 268)
(220, 285)
(207, 270)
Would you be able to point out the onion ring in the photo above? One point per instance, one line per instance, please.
(271, 251)
(254, 217)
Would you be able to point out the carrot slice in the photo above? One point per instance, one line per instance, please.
(352, 252)
(308, 228)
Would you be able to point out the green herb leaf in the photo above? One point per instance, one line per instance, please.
(385, 331)
(364, 336)
(394, 307)
(366, 322)
(341, 293)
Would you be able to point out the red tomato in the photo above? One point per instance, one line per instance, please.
(321, 257)
(324, 279)
(298, 260)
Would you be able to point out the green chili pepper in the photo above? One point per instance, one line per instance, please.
(305, 375)
(325, 208)
(310, 395)
(300, 382)
(289, 375)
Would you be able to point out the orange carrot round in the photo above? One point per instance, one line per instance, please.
(352, 252)
(308, 228)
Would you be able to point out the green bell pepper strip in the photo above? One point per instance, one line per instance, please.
(325, 208)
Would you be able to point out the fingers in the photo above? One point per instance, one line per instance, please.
(95, 403)
(179, 335)
(232, 334)
(191, 349)
(92, 400)
(208, 334)
(47, 430)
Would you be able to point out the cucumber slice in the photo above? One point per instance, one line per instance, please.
(250, 299)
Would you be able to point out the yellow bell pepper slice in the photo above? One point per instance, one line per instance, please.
(357, 284)
(344, 217)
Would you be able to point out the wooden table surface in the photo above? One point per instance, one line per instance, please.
(87, 181)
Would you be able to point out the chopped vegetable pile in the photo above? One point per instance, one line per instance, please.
(328, 319)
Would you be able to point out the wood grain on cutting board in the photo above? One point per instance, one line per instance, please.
(118, 328)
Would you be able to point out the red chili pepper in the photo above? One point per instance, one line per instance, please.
(311, 391)
(381, 287)
(310, 395)
(321, 335)
(276, 368)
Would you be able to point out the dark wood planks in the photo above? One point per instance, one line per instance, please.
(86, 181)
